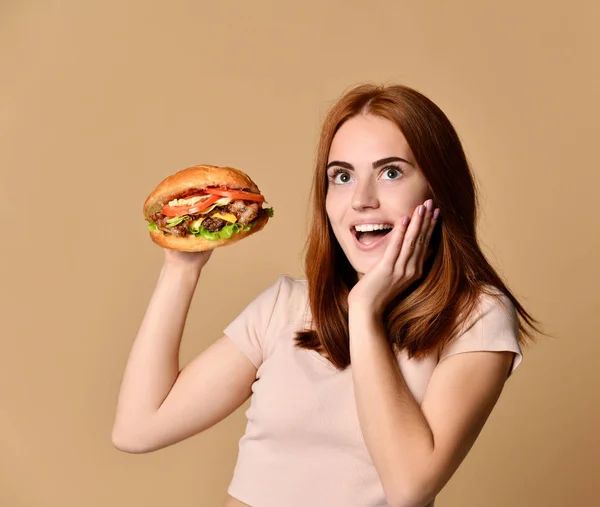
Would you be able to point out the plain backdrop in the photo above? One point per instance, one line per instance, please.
(99, 101)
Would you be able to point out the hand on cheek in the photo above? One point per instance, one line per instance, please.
(401, 264)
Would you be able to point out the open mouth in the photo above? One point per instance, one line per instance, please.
(369, 234)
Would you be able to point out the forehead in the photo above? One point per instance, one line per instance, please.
(365, 138)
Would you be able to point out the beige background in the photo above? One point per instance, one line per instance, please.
(101, 100)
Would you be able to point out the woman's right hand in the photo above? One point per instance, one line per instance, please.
(195, 260)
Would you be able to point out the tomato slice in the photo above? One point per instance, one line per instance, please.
(178, 211)
(235, 194)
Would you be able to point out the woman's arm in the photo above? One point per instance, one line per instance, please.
(415, 449)
(158, 405)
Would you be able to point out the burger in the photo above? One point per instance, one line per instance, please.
(205, 207)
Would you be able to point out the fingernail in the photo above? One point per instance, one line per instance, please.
(429, 204)
(421, 210)
(405, 221)
(436, 213)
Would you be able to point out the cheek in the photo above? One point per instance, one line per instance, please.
(408, 203)
(328, 205)
(332, 210)
(335, 216)
(409, 209)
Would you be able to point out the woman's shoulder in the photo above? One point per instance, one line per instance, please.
(291, 287)
(493, 301)
(284, 294)
(491, 309)
(292, 280)
(492, 325)
(258, 327)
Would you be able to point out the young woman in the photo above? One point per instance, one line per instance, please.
(363, 394)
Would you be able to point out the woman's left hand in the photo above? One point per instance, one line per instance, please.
(401, 264)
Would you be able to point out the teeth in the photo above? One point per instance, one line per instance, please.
(372, 227)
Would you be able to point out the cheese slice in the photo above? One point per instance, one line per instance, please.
(196, 223)
(228, 217)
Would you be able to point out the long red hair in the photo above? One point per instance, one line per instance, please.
(430, 312)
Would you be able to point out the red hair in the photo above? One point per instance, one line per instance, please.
(430, 312)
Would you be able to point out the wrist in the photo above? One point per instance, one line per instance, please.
(361, 314)
(181, 270)
(363, 310)
(364, 326)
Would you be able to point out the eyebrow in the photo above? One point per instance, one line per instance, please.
(376, 164)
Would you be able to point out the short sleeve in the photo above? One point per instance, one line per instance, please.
(495, 327)
(249, 330)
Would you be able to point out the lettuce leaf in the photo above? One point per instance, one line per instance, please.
(200, 232)
(225, 233)
(172, 222)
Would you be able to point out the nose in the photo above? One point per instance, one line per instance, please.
(365, 196)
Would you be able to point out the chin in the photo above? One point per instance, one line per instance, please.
(362, 266)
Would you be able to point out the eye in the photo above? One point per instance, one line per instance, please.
(340, 176)
(392, 172)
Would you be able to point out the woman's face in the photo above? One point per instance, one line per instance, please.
(373, 182)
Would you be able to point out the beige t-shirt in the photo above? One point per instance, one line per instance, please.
(303, 446)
